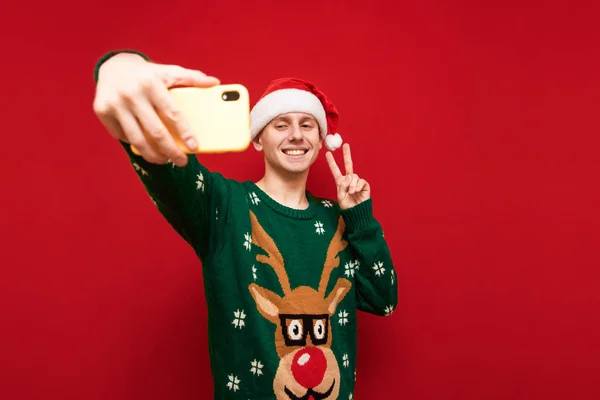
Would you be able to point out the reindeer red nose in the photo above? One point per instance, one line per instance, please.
(309, 367)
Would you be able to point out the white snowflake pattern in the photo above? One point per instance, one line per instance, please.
(349, 269)
(247, 241)
(327, 203)
(389, 310)
(238, 321)
(354, 375)
(346, 360)
(169, 161)
(343, 315)
(256, 367)
(392, 274)
(139, 169)
(200, 182)
(234, 383)
(254, 272)
(378, 267)
(350, 397)
(254, 198)
(319, 225)
(217, 214)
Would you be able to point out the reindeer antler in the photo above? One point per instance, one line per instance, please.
(336, 245)
(274, 258)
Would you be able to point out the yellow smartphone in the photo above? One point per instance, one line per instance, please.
(219, 117)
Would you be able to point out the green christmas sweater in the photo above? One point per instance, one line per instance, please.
(283, 286)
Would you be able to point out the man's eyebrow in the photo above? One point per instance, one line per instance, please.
(288, 119)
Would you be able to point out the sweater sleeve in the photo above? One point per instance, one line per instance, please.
(375, 276)
(193, 200)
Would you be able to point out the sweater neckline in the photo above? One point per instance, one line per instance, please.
(307, 213)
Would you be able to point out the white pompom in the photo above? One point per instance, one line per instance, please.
(333, 142)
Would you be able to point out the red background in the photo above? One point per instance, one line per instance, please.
(475, 124)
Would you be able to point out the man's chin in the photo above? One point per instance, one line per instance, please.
(292, 169)
(300, 166)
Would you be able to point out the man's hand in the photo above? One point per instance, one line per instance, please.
(351, 190)
(131, 94)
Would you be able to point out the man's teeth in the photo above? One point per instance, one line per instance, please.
(294, 152)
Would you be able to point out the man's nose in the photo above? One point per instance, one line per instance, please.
(296, 133)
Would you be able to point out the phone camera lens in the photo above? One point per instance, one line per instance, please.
(230, 96)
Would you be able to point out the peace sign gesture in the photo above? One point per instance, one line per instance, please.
(351, 190)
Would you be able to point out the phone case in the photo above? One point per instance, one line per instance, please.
(219, 117)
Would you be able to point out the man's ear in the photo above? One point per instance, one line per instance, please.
(257, 142)
(320, 138)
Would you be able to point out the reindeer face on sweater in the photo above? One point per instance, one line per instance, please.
(308, 369)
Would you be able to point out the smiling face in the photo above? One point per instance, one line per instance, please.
(290, 142)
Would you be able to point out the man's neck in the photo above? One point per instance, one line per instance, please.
(289, 191)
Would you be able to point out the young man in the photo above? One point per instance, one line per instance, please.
(284, 271)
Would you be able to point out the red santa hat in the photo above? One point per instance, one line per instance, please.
(287, 95)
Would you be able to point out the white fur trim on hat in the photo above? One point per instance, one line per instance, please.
(284, 101)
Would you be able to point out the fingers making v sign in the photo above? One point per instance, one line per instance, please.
(351, 189)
